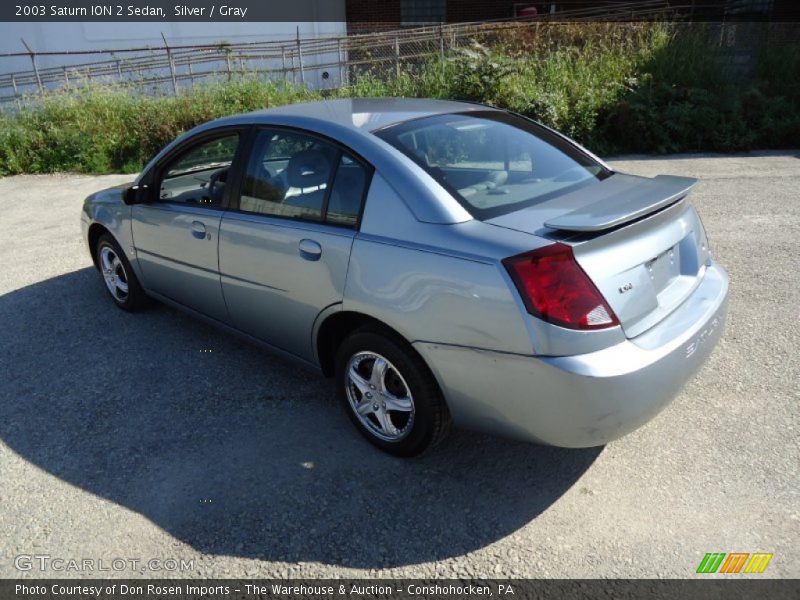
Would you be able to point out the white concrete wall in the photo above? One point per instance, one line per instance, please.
(89, 36)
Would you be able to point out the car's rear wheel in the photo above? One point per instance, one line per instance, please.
(389, 393)
(120, 280)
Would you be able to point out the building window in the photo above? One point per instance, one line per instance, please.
(417, 12)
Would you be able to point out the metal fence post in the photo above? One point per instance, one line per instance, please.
(66, 77)
(441, 50)
(16, 91)
(283, 63)
(300, 58)
(397, 56)
(33, 62)
(341, 61)
(191, 73)
(346, 57)
(171, 64)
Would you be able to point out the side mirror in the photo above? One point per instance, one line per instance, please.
(136, 194)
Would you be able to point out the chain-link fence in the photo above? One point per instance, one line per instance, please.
(320, 63)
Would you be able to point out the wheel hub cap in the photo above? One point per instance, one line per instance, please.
(390, 416)
(114, 273)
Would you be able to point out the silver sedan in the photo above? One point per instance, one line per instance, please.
(445, 262)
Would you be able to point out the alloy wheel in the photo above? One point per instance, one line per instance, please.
(379, 396)
(114, 273)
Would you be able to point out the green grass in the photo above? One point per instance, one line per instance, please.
(651, 88)
(105, 129)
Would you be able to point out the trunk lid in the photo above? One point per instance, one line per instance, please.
(639, 240)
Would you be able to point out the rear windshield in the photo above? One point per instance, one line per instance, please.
(493, 162)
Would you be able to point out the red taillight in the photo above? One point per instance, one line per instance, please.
(556, 289)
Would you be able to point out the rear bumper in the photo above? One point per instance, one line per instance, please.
(589, 399)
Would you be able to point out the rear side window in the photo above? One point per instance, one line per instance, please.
(494, 162)
(298, 176)
(347, 192)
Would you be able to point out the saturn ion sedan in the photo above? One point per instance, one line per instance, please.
(445, 262)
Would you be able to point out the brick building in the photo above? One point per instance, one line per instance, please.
(415, 12)
(374, 14)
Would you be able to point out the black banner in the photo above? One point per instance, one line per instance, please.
(173, 10)
(339, 11)
(394, 589)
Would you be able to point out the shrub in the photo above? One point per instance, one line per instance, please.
(101, 129)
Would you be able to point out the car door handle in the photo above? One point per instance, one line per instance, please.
(198, 230)
(309, 249)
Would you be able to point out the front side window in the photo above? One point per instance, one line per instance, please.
(493, 162)
(299, 176)
(198, 175)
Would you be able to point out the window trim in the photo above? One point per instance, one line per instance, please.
(236, 194)
(155, 176)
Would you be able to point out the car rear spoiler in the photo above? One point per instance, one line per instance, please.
(620, 199)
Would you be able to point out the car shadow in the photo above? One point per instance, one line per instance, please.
(235, 452)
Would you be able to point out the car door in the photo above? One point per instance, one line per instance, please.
(176, 233)
(285, 244)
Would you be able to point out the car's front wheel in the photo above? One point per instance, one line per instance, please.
(389, 393)
(118, 275)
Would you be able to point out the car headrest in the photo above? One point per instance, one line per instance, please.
(497, 178)
(309, 168)
(422, 156)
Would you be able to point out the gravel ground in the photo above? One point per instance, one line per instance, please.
(121, 438)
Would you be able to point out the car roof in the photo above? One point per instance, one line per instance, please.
(367, 114)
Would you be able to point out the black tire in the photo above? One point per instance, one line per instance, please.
(430, 420)
(135, 297)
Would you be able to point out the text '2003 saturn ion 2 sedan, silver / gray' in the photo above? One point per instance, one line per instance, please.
(443, 261)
